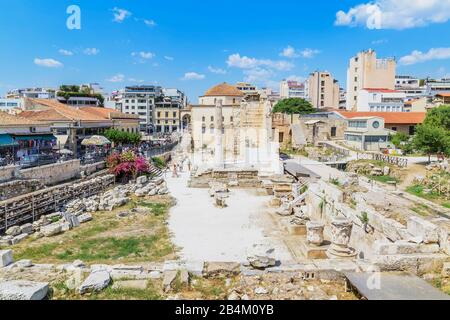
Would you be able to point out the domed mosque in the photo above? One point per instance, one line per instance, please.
(232, 130)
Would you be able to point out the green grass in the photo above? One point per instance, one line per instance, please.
(100, 249)
(150, 293)
(422, 210)
(335, 181)
(418, 191)
(384, 179)
(158, 209)
(107, 239)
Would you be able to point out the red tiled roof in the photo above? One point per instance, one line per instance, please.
(56, 111)
(381, 90)
(443, 94)
(389, 117)
(107, 113)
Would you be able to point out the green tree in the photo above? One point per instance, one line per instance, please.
(69, 88)
(399, 139)
(118, 136)
(432, 139)
(293, 106)
(439, 117)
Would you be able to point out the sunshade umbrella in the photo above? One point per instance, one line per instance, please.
(95, 141)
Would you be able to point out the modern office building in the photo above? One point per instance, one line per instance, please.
(140, 100)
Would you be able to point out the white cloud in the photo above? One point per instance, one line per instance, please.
(309, 53)
(136, 80)
(91, 51)
(65, 52)
(117, 78)
(257, 75)
(296, 78)
(150, 23)
(193, 76)
(379, 41)
(121, 14)
(419, 56)
(169, 58)
(291, 52)
(143, 55)
(48, 63)
(395, 14)
(244, 62)
(216, 70)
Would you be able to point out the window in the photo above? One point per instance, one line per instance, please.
(333, 131)
(159, 114)
(203, 129)
(281, 137)
(203, 119)
(167, 114)
(353, 138)
(394, 128)
(376, 124)
(174, 114)
(375, 139)
(412, 130)
(211, 129)
(231, 119)
(212, 119)
(357, 124)
(234, 100)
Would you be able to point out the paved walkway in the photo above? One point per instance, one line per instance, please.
(393, 286)
(207, 233)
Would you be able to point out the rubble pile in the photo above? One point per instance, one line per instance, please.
(80, 210)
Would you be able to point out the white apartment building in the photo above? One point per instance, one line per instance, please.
(380, 100)
(247, 88)
(34, 93)
(10, 105)
(292, 89)
(141, 101)
(410, 86)
(367, 71)
(436, 86)
(176, 95)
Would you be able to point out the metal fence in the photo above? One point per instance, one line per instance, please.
(397, 161)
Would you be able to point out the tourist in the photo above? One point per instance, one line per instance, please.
(175, 172)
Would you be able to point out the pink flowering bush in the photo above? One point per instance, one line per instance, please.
(127, 165)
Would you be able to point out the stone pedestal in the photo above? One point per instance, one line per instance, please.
(341, 230)
(314, 233)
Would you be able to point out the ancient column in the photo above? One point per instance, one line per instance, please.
(314, 233)
(341, 230)
(218, 151)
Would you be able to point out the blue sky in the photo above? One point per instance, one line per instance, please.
(193, 45)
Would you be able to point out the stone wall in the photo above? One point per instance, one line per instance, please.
(7, 173)
(29, 207)
(18, 187)
(54, 173)
(89, 169)
(234, 178)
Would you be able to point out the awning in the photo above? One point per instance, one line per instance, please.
(43, 137)
(62, 140)
(7, 140)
